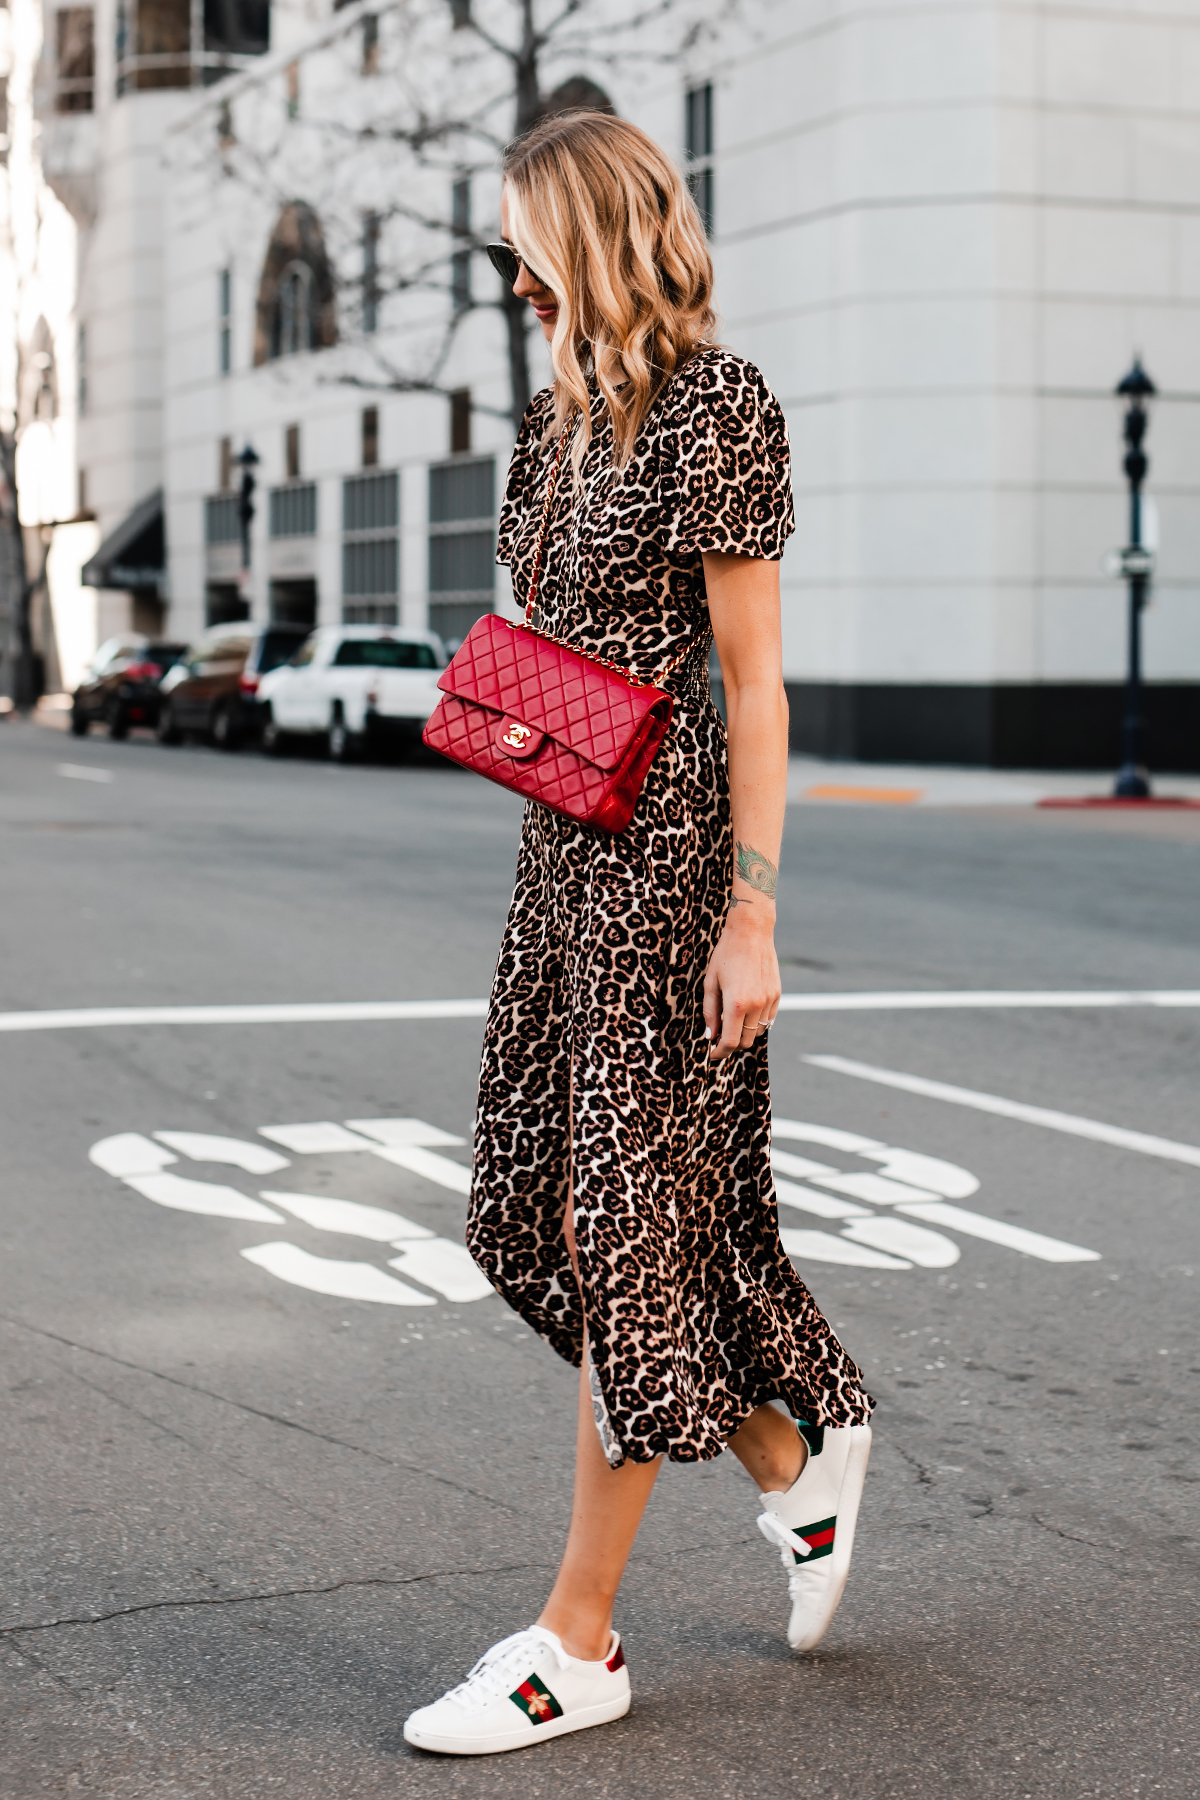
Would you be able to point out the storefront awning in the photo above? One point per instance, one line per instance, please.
(134, 554)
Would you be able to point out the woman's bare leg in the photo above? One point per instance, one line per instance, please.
(608, 1509)
(769, 1447)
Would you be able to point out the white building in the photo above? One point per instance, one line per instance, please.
(942, 235)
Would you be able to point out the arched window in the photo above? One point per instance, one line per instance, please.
(293, 327)
(296, 309)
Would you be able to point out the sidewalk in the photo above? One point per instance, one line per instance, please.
(815, 783)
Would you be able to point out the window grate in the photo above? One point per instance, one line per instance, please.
(370, 566)
(371, 502)
(221, 522)
(460, 491)
(292, 510)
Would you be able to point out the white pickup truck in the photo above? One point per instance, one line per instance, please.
(357, 685)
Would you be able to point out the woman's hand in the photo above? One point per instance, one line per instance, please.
(741, 987)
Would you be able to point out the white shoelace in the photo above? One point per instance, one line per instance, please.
(776, 1532)
(496, 1672)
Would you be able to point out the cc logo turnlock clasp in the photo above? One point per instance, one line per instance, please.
(517, 736)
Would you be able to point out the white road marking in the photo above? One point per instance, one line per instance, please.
(1117, 1135)
(402, 1133)
(201, 1147)
(334, 1012)
(344, 1280)
(129, 1153)
(823, 1205)
(80, 772)
(998, 1231)
(349, 1217)
(447, 1174)
(825, 1134)
(945, 1178)
(821, 1246)
(316, 1139)
(876, 1190)
(201, 1197)
(928, 1249)
(799, 1167)
(934, 1000)
(446, 1267)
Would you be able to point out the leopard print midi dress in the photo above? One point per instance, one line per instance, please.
(595, 1075)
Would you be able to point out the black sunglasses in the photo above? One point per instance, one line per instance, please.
(508, 264)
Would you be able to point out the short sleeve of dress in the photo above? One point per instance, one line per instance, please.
(725, 471)
(524, 470)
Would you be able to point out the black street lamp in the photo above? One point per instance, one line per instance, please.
(247, 461)
(1136, 563)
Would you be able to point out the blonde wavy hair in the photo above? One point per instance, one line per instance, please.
(607, 222)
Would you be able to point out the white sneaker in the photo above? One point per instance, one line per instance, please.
(813, 1525)
(523, 1690)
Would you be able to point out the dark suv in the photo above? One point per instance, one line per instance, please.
(121, 686)
(214, 692)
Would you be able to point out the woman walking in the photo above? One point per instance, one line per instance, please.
(622, 1198)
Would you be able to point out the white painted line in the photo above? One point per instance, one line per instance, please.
(876, 1190)
(825, 1134)
(318, 1138)
(934, 1001)
(821, 1246)
(129, 1153)
(945, 1178)
(1099, 1133)
(201, 1147)
(315, 1013)
(997, 1231)
(209, 1197)
(823, 1205)
(333, 1012)
(446, 1267)
(928, 1249)
(349, 1217)
(799, 1168)
(400, 1133)
(80, 772)
(447, 1174)
(344, 1280)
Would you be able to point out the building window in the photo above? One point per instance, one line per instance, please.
(221, 522)
(370, 436)
(460, 14)
(181, 44)
(371, 549)
(296, 306)
(81, 370)
(83, 500)
(370, 45)
(4, 138)
(291, 78)
(370, 272)
(460, 260)
(226, 135)
(460, 421)
(698, 134)
(462, 545)
(225, 465)
(292, 510)
(291, 452)
(225, 321)
(75, 59)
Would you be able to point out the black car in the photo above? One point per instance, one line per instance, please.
(122, 684)
(214, 692)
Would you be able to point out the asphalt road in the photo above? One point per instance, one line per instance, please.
(247, 1525)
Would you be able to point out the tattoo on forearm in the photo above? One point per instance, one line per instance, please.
(734, 901)
(755, 870)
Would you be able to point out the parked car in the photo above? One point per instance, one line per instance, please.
(359, 686)
(213, 692)
(121, 686)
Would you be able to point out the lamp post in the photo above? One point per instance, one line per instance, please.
(1136, 563)
(247, 461)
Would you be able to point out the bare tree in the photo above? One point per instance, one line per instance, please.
(422, 97)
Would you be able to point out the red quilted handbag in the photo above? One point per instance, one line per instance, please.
(551, 722)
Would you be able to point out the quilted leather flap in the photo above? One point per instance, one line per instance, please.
(519, 675)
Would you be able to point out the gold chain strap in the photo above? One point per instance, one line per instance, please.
(565, 435)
